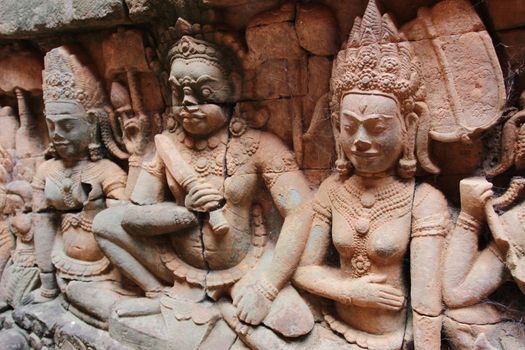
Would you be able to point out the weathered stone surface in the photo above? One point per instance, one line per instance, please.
(449, 17)
(284, 13)
(19, 18)
(262, 46)
(506, 14)
(278, 78)
(463, 65)
(239, 16)
(317, 29)
(234, 179)
(319, 70)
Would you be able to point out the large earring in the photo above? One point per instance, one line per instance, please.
(95, 151)
(408, 163)
(51, 151)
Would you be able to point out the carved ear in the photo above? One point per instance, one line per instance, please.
(408, 163)
(508, 144)
(422, 139)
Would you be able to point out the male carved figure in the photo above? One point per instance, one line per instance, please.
(214, 167)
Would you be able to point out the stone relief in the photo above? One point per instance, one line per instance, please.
(258, 175)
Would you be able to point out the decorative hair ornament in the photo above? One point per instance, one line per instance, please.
(377, 59)
(66, 77)
(185, 40)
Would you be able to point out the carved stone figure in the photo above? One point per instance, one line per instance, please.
(214, 240)
(243, 181)
(373, 212)
(71, 188)
(472, 275)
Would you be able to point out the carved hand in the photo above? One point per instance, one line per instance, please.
(475, 192)
(203, 197)
(252, 306)
(372, 291)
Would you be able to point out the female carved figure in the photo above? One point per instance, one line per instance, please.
(471, 274)
(378, 215)
(214, 241)
(71, 188)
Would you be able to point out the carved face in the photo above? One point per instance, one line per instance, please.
(68, 129)
(371, 132)
(136, 129)
(199, 88)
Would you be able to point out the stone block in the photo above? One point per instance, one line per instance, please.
(278, 78)
(319, 70)
(280, 118)
(274, 41)
(285, 13)
(23, 17)
(317, 29)
(506, 14)
(239, 16)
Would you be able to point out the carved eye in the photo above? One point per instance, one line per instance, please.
(350, 126)
(67, 126)
(376, 126)
(206, 92)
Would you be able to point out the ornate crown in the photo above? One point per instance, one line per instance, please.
(196, 41)
(191, 48)
(376, 58)
(67, 78)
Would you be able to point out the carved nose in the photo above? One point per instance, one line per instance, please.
(362, 142)
(57, 136)
(362, 145)
(189, 99)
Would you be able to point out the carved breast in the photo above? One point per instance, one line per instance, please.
(371, 227)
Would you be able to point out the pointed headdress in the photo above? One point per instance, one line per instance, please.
(376, 58)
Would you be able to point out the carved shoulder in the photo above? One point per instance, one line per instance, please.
(273, 155)
(429, 201)
(39, 180)
(110, 176)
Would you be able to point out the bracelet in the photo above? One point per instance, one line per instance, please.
(468, 222)
(49, 293)
(267, 290)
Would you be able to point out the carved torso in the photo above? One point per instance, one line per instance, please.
(237, 166)
(79, 193)
(371, 229)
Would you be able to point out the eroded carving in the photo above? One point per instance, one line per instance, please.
(215, 242)
(375, 215)
(174, 211)
(71, 188)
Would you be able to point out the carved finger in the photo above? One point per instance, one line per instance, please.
(201, 202)
(237, 299)
(392, 298)
(242, 328)
(376, 278)
(199, 187)
(386, 289)
(242, 314)
(486, 196)
(250, 319)
(205, 192)
(211, 206)
(387, 304)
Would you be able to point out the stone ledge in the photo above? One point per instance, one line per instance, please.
(22, 18)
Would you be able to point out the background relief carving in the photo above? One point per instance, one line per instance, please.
(240, 174)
